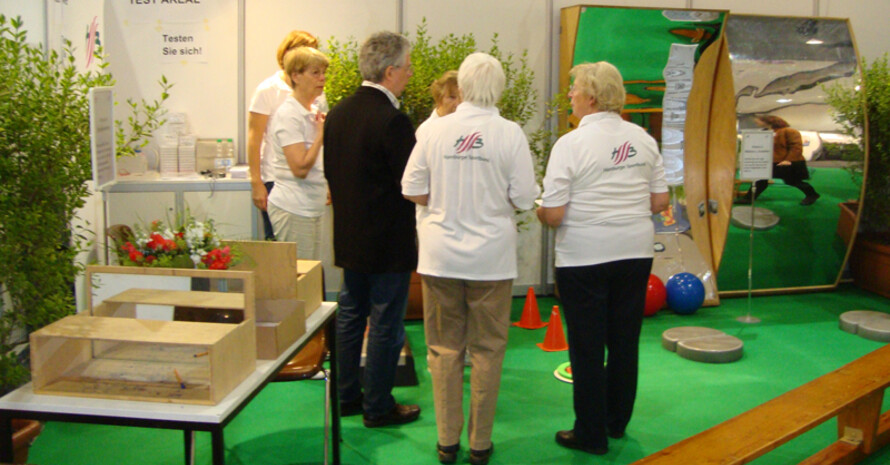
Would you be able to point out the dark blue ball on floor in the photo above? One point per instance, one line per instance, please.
(685, 293)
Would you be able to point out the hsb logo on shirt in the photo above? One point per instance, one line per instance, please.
(623, 152)
(473, 141)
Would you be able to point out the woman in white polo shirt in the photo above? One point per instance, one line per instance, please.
(604, 180)
(267, 97)
(468, 171)
(297, 202)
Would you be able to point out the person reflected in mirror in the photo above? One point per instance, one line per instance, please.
(604, 181)
(445, 95)
(367, 142)
(267, 97)
(467, 259)
(789, 165)
(297, 203)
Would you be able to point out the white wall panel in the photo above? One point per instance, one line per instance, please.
(32, 13)
(205, 88)
(268, 21)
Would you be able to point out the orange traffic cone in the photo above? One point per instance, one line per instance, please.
(531, 316)
(554, 340)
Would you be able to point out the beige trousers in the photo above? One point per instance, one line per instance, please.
(304, 230)
(459, 315)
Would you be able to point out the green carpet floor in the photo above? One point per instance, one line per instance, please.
(797, 341)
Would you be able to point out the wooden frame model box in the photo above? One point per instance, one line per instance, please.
(280, 279)
(279, 274)
(128, 347)
(276, 298)
(114, 352)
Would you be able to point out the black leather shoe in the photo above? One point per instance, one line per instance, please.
(400, 414)
(353, 407)
(809, 200)
(447, 454)
(616, 434)
(567, 439)
(480, 457)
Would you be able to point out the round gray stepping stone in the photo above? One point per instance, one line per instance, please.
(763, 218)
(702, 344)
(714, 349)
(866, 323)
(671, 337)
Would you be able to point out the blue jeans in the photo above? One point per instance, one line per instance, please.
(383, 297)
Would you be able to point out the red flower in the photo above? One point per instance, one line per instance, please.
(218, 259)
(136, 256)
(156, 241)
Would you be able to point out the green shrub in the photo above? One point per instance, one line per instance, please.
(430, 60)
(867, 112)
(44, 166)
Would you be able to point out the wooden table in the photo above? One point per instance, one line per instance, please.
(23, 403)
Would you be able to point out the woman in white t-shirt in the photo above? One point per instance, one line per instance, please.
(468, 171)
(604, 180)
(265, 100)
(298, 200)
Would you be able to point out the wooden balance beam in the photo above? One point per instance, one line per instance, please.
(853, 393)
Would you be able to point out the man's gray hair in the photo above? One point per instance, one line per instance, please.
(382, 50)
(481, 79)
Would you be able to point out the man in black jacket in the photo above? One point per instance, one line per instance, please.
(367, 142)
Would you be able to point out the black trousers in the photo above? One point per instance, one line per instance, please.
(268, 233)
(794, 175)
(804, 187)
(603, 306)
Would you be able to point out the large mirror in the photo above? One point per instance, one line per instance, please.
(780, 66)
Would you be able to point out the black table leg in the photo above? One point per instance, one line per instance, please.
(189, 441)
(6, 453)
(218, 446)
(333, 395)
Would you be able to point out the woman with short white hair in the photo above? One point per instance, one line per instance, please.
(604, 180)
(469, 172)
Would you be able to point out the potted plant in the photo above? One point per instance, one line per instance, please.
(865, 114)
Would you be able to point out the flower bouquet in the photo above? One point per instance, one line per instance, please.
(188, 244)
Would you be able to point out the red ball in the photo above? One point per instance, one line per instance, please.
(656, 296)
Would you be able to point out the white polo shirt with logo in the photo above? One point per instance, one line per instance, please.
(475, 166)
(604, 172)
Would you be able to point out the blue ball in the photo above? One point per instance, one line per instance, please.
(685, 293)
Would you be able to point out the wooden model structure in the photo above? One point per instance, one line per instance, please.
(113, 351)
